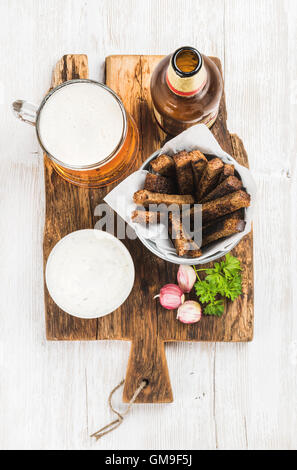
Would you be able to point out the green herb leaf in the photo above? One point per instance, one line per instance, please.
(223, 281)
(231, 266)
(205, 291)
(234, 288)
(215, 308)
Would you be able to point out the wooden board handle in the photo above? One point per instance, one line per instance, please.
(148, 361)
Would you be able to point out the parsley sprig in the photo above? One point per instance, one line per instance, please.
(221, 282)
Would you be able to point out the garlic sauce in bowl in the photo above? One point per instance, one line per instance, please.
(89, 273)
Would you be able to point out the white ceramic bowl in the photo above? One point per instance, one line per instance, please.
(77, 280)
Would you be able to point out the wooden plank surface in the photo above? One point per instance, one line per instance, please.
(227, 395)
(237, 322)
(141, 319)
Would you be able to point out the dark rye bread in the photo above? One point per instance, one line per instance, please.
(228, 170)
(143, 197)
(184, 172)
(214, 210)
(229, 185)
(239, 215)
(210, 177)
(163, 165)
(193, 177)
(159, 184)
(224, 205)
(226, 227)
(146, 217)
(184, 245)
(198, 167)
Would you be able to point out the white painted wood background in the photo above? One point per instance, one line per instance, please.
(227, 396)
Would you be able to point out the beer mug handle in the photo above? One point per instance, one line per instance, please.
(25, 111)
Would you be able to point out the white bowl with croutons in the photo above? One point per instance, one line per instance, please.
(225, 199)
(213, 246)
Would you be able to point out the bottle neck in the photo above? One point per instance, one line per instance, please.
(186, 74)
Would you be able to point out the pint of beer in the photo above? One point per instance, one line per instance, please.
(85, 131)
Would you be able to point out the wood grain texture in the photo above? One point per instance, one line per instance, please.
(62, 217)
(141, 319)
(226, 395)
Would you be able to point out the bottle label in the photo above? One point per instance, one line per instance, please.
(186, 86)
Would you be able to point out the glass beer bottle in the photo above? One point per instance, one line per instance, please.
(186, 89)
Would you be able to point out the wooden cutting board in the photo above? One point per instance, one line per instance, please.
(140, 319)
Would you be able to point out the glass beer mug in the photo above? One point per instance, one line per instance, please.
(84, 129)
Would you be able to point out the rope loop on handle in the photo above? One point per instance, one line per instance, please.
(120, 417)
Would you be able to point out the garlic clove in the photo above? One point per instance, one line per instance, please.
(171, 296)
(189, 312)
(186, 278)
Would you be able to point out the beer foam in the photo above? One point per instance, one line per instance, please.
(81, 124)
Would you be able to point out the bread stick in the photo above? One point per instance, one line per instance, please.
(185, 246)
(184, 171)
(163, 165)
(198, 166)
(145, 217)
(159, 184)
(228, 226)
(228, 185)
(228, 170)
(143, 197)
(210, 177)
(224, 205)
